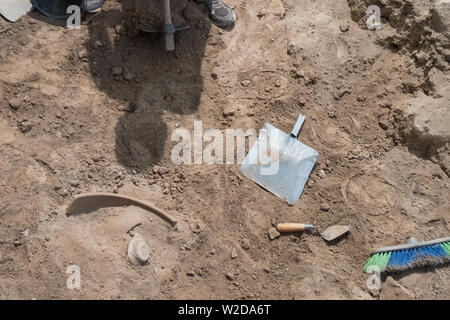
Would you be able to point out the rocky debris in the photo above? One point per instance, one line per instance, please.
(345, 26)
(245, 244)
(392, 290)
(128, 76)
(98, 44)
(117, 71)
(229, 276)
(234, 253)
(14, 103)
(325, 207)
(229, 111)
(441, 17)
(25, 126)
(83, 55)
(138, 251)
(273, 234)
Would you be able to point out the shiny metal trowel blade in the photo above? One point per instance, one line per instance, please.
(12, 10)
(334, 232)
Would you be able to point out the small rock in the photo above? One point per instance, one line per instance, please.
(345, 26)
(98, 44)
(392, 290)
(214, 76)
(25, 127)
(292, 48)
(245, 83)
(14, 103)
(273, 234)
(117, 71)
(234, 253)
(155, 169)
(228, 111)
(322, 174)
(128, 76)
(325, 207)
(163, 170)
(82, 55)
(190, 273)
(245, 244)
(229, 276)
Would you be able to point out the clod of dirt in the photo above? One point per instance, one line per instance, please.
(138, 251)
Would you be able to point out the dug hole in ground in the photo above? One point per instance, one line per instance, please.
(93, 110)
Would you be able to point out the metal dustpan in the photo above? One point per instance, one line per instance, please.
(280, 163)
(12, 10)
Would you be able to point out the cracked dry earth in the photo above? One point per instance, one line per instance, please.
(93, 110)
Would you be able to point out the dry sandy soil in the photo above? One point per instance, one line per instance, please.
(93, 110)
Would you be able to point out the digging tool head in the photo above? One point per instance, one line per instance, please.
(12, 10)
(279, 163)
(334, 232)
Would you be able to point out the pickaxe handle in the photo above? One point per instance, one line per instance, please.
(169, 28)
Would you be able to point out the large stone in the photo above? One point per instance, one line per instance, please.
(441, 17)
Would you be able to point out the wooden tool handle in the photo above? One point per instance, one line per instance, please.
(294, 227)
(88, 202)
(169, 34)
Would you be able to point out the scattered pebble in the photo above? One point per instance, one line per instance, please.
(234, 253)
(273, 234)
(117, 71)
(228, 111)
(245, 244)
(14, 103)
(325, 207)
(345, 26)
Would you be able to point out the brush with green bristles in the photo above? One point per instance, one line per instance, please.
(411, 255)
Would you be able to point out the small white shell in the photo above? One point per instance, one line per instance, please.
(138, 251)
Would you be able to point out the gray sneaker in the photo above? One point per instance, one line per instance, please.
(219, 12)
(93, 6)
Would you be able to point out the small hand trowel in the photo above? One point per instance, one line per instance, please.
(280, 163)
(330, 234)
(12, 10)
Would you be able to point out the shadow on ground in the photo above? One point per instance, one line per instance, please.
(134, 69)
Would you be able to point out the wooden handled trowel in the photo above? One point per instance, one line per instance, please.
(330, 233)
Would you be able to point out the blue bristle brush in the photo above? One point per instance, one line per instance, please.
(411, 255)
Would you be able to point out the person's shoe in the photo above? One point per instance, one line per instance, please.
(93, 6)
(219, 12)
